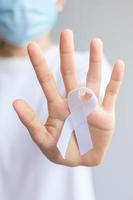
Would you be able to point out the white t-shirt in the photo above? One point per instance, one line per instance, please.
(25, 173)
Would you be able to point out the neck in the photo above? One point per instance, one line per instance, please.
(10, 50)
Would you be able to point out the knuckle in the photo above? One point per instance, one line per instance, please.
(92, 79)
(68, 70)
(30, 124)
(46, 79)
(39, 63)
(111, 91)
(67, 52)
(113, 87)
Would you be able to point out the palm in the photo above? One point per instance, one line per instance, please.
(100, 121)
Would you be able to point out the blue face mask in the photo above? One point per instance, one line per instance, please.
(25, 20)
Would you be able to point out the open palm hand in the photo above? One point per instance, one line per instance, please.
(101, 121)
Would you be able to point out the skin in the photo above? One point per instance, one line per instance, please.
(101, 121)
(45, 42)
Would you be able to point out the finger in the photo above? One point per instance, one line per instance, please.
(43, 73)
(68, 67)
(96, 59)
(37, 131)
(113, 87)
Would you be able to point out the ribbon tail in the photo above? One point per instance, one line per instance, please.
(66, 132)
(83, 137)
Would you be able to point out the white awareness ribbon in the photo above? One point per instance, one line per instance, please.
(77, 120)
